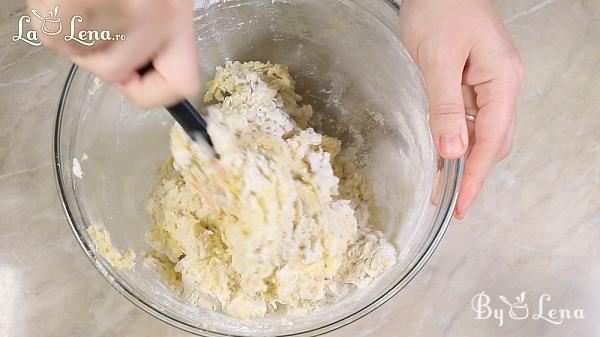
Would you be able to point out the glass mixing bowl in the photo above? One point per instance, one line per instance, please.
(349, 65)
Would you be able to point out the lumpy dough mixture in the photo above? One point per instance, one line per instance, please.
(101, 238)
(279, 223)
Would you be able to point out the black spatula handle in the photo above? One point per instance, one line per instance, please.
(186, 115)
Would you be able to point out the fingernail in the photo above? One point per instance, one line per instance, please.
(451, 144)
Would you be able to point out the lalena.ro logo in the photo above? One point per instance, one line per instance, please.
(518, 309)
(52, 25)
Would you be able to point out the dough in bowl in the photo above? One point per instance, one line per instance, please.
(281, 222)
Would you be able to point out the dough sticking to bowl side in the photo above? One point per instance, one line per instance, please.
(264, 228)
(104, 246)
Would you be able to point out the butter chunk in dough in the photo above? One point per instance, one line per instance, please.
(263, 228)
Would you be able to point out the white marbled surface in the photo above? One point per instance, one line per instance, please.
(535, 228)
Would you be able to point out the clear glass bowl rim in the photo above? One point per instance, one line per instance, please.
(452, 174)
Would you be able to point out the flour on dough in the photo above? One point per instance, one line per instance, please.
(269, 226)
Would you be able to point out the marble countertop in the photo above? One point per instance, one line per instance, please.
(534, 229)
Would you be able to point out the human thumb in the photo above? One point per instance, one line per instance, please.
(446, 110)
